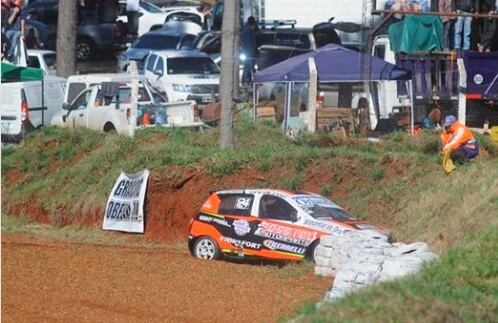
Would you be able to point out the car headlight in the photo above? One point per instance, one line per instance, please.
(181, 88)
(242, 57)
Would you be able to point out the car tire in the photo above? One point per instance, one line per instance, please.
(84, 49)
(206, 248)
(109, 127)
(311, 253)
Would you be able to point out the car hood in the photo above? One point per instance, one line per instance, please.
(340, 227)
(136, 53)
(194, 79)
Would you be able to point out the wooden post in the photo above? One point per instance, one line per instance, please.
(134, 98)
(313, 88)
(462, 84)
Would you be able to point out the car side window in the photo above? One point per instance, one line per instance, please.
(33, 62)
(160, 65)
(274, 207)
(74, 90)
(235, 204)
(81, 101)
(151, 63)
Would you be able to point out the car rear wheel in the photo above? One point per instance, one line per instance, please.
(206, 248)
(311, 252)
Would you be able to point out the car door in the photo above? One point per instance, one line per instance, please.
(238, 224)
(279, 231)
(77, 116)
(158, 74)
(149, 69)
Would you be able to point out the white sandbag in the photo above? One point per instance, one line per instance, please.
(324, 271)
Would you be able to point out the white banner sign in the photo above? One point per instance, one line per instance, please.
(125, 207)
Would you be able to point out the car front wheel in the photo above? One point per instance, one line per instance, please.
(206, 248)
(84, 49)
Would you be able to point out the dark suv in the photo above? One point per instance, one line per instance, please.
(93, 34)
(275, 44)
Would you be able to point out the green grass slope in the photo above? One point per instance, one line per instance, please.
(398, 183)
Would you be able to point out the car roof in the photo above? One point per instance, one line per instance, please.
(39, 51)
(103, 77)
(179, 53)
(161, 33)
(265, 190)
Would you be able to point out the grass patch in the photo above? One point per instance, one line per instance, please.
(461, 287)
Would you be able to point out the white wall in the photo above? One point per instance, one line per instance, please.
(311, 12)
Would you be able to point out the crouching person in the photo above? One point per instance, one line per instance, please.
(458, 141)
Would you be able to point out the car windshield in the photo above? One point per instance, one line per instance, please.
(192, 65)
(150, 7)
(321, 208)
(50, 60)
(157, 42)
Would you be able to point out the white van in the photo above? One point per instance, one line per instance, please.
(26, 106)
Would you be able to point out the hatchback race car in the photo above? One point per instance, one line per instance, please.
(268, 224)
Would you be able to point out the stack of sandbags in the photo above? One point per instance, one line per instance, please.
(360, 258)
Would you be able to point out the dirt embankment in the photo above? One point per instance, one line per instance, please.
(172, 200)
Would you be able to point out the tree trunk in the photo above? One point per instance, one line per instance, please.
(228, 52)
(236, 70)
(66, 38)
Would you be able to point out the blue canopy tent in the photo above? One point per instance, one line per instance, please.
(334, 64)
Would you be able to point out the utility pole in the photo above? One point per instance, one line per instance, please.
(228, 52)
(66, 37)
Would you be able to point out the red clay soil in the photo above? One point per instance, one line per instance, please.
(68, 282)
(173, 198)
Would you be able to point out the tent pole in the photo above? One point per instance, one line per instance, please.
(254, 100)
(412, 107)
(312, 92)
(43, 100)
(287, 105)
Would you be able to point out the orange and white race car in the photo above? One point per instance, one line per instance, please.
(266, 223)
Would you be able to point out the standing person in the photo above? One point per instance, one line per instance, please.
(205, 10)
(463, 24)
(446, 6)
(248, 48)
(458, 141)
(132, 12)
(487, 26)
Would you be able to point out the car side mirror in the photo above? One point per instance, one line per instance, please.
(64, 118)
(294, 217)
(66, 106)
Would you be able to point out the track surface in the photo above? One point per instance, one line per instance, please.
(54, 281)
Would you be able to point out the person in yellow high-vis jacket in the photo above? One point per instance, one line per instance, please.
(458, 141)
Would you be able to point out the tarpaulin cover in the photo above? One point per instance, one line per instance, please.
(334, 63)
(482, 73)
(13, 73)
(416, 33)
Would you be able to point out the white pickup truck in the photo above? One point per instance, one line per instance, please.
(107, 107)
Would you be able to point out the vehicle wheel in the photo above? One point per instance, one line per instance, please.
(109, 127)
(84, 49)
(206, 248)
(311, 251)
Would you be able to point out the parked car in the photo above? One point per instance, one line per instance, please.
(28, 105)
(106, 105)
(153, 40)
(268, 224)
(183, 75)
(274, 44)
(151, 16)
(44, 59)
(92, 35)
